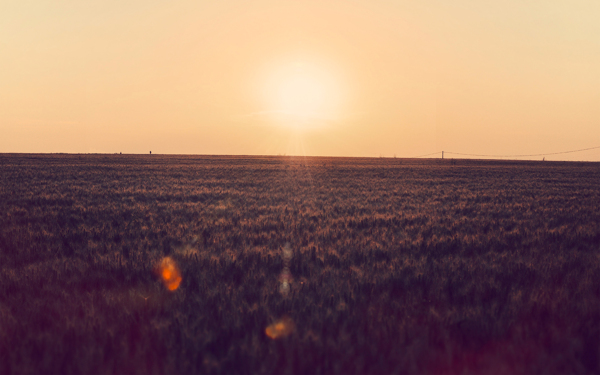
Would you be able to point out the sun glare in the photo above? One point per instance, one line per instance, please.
(303, 93)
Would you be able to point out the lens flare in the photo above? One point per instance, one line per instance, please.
(285, 278)
(281, 328)
(284, 288)
(169, 273)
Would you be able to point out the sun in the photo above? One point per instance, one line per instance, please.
(302, 93)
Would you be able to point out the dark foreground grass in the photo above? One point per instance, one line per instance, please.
(399, 266)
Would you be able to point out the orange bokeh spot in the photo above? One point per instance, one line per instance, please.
(281, 328)
(169, 273)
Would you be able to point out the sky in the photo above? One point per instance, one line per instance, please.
(321, 78)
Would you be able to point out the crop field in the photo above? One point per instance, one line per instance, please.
(297, 265)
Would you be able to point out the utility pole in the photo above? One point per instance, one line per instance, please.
(442, 154)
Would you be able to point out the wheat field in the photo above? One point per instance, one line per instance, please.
(298, 265)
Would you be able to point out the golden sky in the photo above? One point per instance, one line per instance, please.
(324, 78)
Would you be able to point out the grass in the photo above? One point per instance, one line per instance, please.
(398, 266)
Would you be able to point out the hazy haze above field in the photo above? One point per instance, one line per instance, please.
(338, 78)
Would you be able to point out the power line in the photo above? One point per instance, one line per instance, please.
(506, 156)
(523, 155)
(422, 156)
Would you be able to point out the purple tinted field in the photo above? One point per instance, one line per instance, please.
(418, 266)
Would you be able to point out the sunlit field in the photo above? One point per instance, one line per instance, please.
(198, 264)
